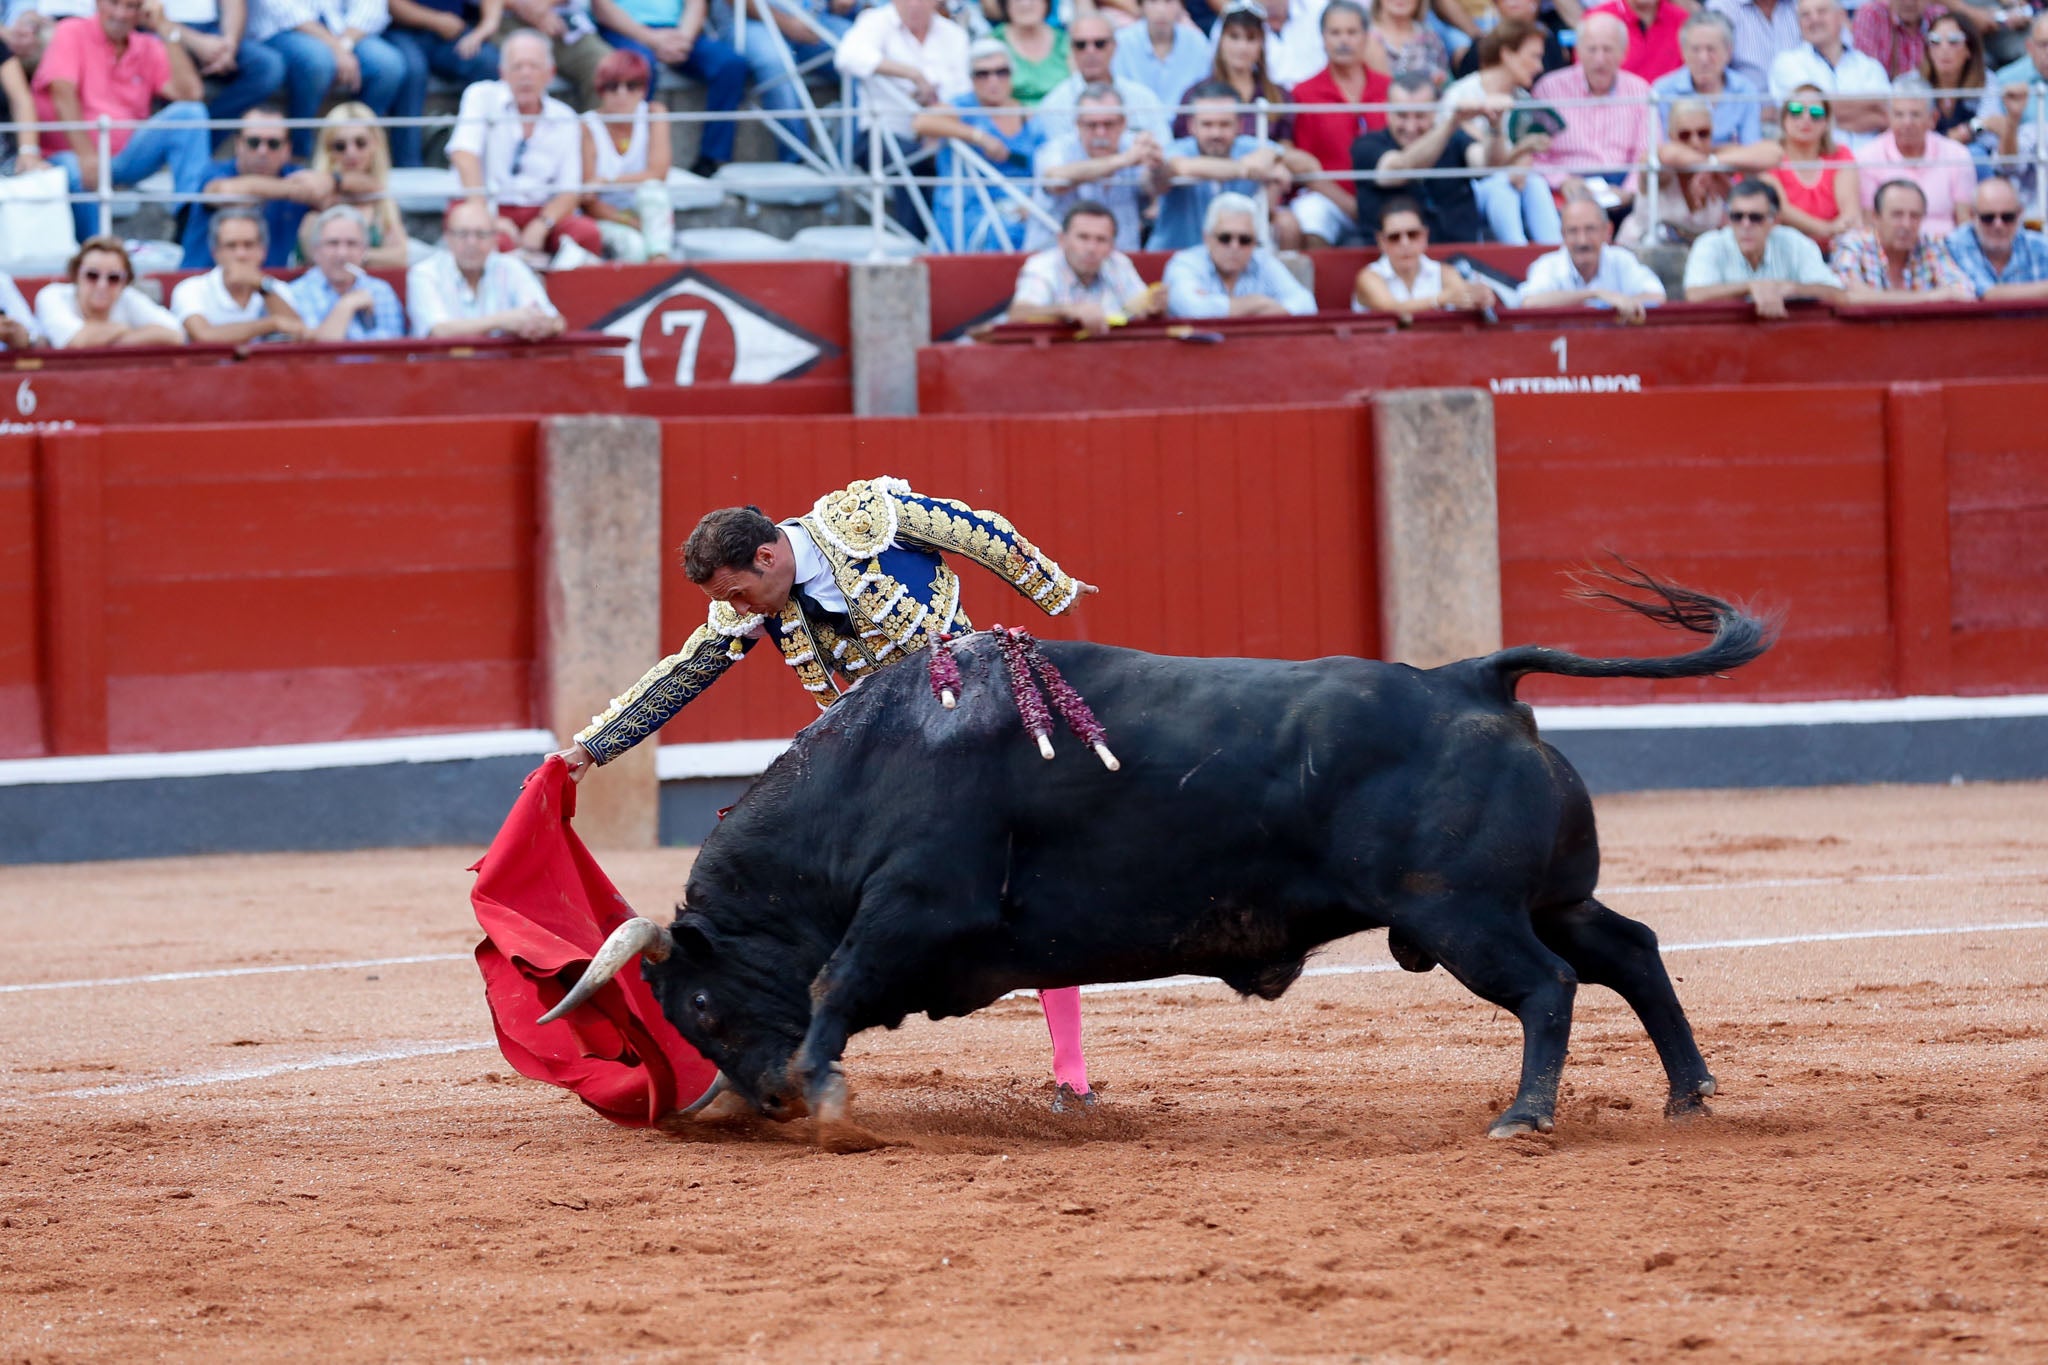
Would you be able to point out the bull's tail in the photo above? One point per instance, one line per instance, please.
(1739, 636)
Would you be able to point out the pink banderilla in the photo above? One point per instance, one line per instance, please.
(1021, 652)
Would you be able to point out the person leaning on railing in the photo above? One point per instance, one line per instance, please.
(2003, 260)
(235, 301)
(1216, 157)
(1692, 189)
(1103, 161)
(1415, 140)
(1896, 260)
(353, 151)
(1404, 280)
(1228, 274)
(97, 305)
(469, 289)
(1007, 141)
(1755, 258)
(261, 173)
(1082, 278)
(1587, 271)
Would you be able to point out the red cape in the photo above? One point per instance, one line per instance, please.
(546, 907)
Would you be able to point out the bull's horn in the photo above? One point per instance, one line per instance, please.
(628, 941)
(719, 1085)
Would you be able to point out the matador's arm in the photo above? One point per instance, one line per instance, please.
(670, 685)
(990, 541)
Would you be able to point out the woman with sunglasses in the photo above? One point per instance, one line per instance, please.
(1038, 51)
(352, 148)
(1006, 141)
(95, 306)
(1404, 280)
(1823, 201)
(1241, 64)
(1954, 62)
(1401, 41)
(626, 147)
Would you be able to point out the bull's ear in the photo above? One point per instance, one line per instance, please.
(693, 937)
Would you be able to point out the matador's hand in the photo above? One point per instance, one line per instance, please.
(1085, 589)
(577, 758)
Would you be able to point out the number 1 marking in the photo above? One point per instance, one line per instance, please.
(1560, 348)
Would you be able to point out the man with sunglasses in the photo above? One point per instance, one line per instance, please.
(2002, 259)
(260, 173)
(1758, 259)
(1228, 274)
(1091, 47)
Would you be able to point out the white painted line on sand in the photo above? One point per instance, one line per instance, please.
(214, 972)
(279, 758)
(1852, 879)
(401, 1053)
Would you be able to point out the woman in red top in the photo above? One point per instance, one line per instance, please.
(1821, 201)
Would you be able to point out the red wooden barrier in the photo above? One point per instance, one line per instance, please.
(21, 614)
(1998, 535)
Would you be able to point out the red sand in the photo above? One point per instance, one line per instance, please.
(1304, 1179)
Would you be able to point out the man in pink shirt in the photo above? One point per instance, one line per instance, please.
(1602, 138)
(113, 64)
(1653, 25)
(1949, 182)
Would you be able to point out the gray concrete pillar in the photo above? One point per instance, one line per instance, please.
(1438, 523)
(1303, 266)
(891, 304)
(1669, 264)
(601, 564)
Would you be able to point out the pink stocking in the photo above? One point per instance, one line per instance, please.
(1063, 1020)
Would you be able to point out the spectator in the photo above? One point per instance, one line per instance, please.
(1240, 63)
(1415, 140)
(26, 141)
(1601, 140)
(2030, 71)
(352, 150)
(2002, 259)
(1165, 53)
(1894, 32)
(1092, 50)
(469, 289)
(95, 307)
(338, 46)
(671, 32)
(1707, 44)
(1586, 270)
(1404, 280)
(1402, 43)
(2017, 139)
(571, 30)
(1217, 158)
(1101, 161)
(1228, 274)
(1821, 201)
(1690, 200)
(111, 66)
(19, 329)
(337, 299)
(1517, 203)
(1762, 30)
(1948, 182)
(517, 143)
(624, 148)
(260, 173)
(1826, 62)
(1897, 262)
(907, 58)
(243, 73)
(1327, 211)
(235, 301)
(1470, 61)
(1294, 41)
(1083, 279)
(1653, 35)
(1008, 142)
(1038, 51)
(446, 38)
(1955, 64)
(1755, 258)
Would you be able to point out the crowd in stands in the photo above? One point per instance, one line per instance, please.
(1800, 149)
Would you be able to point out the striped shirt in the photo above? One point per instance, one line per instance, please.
(268, 18)
(1596, 137)
(2028, 263)
(314, 296)
(1759, 38)
(1898, 47)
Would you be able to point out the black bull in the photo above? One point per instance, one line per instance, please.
(901, 857)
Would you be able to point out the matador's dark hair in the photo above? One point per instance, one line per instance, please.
(726, 539)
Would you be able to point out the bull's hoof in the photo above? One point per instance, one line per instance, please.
(1519, 1125)
(1067, 1100)
(828, 1097)
(1685, 1106)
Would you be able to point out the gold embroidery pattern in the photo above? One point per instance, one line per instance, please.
(806, 655)
(662, 691)
(988, 540)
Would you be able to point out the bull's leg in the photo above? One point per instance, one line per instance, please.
(1499, 958)
(1612, 950)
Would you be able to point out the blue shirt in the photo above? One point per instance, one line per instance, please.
(1733, 121)
(979, 232)
(1181, 209)
(1195, 290)
(2021, 72)
(315, 298)
(1184, 67)
(281, 216)
(2029, 263)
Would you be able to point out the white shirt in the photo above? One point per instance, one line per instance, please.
(436, 292)
(16, 307)
(613, 163)
(813, 574)
(206, 296)
(1619, 271)
(1429, 282)
(57, 310)
(270, 17)
(1047, 281)
(1856, 74)
(1295, 51)
(522, 169)
(878, 36)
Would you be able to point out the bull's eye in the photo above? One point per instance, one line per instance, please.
(701, 1003)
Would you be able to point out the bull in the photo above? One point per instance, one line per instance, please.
(902, 857)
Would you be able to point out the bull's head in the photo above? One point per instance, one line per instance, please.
(746, 1021)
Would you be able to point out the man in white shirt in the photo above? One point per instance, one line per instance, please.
(1083, 279)
(1828, 63)
(519, 145)
(1091, 49)
(1586, 270)
(907, 57)
(235, 301)
(469, 289)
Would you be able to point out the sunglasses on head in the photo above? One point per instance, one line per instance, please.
(266, 144)
(610, 86)
(1086, 43)
(1235, 239)
(1748, 216)
(992, 71)
(1806, 110)
(359, 143)
(1402, 235)
(102, 277)
(1947, 39)
(2006, 219)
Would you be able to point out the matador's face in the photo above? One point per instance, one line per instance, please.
(761, 588)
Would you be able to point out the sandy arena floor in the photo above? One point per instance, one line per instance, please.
(336, 1164)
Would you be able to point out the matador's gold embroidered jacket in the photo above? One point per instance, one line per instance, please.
(883, 542)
